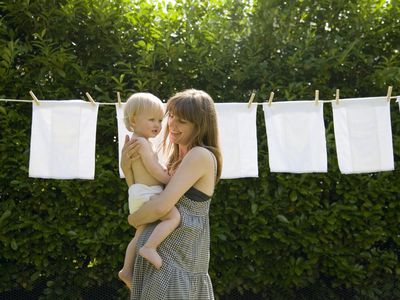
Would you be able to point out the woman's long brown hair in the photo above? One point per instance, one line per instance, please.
(197, 107)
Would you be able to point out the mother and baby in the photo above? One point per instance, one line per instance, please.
(169, 206)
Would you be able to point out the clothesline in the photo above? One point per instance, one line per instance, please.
(31, 101)
(113, 103)
(250, 102)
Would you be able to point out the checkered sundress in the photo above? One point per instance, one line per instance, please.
(185, 254)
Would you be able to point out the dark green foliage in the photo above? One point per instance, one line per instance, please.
(281, 236)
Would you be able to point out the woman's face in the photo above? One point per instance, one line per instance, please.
(180, 131)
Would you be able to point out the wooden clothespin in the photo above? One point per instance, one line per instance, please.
(253, 94)
(90, 98)
(389, 93)
(271, 97)
(316, 97)
(119, 99)
(337, 97)
(34, 98)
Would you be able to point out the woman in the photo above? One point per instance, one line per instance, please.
(195, 165)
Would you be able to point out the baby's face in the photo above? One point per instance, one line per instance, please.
(147, 124)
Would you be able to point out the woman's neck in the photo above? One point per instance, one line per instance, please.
(182, 150)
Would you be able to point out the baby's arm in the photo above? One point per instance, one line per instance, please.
(151, 163)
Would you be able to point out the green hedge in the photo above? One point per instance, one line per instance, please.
(277, 235)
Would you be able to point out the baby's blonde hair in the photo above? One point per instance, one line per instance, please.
(142, 102)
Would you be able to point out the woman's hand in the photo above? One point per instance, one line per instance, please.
(130, 152)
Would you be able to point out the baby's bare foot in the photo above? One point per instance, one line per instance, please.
(152, 256)
(125, 277)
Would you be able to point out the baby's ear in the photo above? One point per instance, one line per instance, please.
(132, 120)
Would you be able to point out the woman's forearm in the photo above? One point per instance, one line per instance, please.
(149, 212)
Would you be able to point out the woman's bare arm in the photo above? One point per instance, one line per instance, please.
(193, 167)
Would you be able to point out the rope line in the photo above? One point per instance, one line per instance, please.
(114, 103)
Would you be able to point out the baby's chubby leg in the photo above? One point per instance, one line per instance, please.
(167, 225)
(127, 270)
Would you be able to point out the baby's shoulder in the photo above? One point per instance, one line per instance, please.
(137, 137)
(141, 139)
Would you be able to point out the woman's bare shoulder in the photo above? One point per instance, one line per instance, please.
(199, 157)
(200, 152)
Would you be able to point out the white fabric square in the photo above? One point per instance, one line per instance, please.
(238, 137)
(63, 139)
(363, 135)
(296, 137)
(122, 132)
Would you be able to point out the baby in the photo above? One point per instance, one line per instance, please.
(143, 114)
